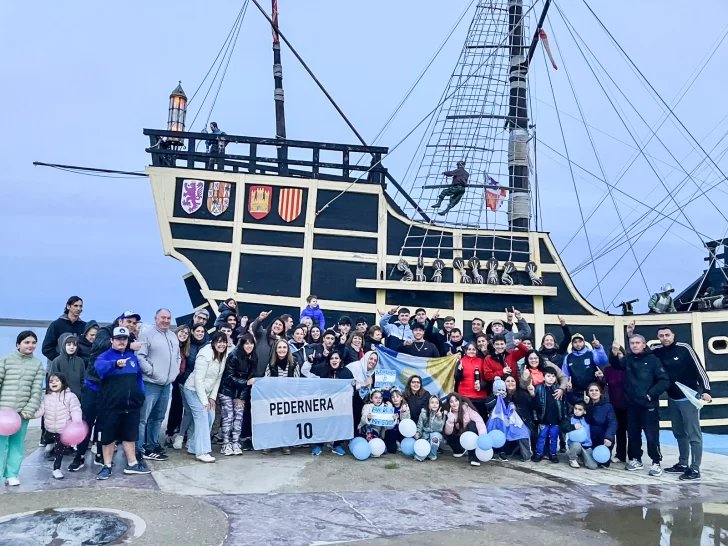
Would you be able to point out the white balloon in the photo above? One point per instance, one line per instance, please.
(484, 455)
(407, 428)
(422, 447)
(469, 440)
(377, 445)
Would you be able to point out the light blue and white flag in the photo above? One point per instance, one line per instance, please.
(438, 374)
(385, 378)
(383, 416)
(291, 411)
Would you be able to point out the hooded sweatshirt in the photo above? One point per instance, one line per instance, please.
(71, 366)
(62, 325)
(524, 331)
(159, 356)
(84, 345)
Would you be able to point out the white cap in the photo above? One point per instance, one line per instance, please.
(120, 331)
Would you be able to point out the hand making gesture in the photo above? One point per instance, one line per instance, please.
(264, 315)
(595, 342)
(562, 320)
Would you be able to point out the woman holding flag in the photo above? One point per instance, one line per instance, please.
(363, 372)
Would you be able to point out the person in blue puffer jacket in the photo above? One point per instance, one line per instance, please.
(314, 312)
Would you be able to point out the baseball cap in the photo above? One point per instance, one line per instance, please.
(204, 312)
(130, 314)
(577, 335)
(497, 321)
(120, 331)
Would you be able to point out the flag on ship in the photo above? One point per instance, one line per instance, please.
(494, 195)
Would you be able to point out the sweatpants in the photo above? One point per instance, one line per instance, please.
(550, 432)
(575, 450)
(11, 451)
(453, 440)
(621, 448)
(686, 427)
(231, 420)
(648, 420)
(522, 446)
(90, 413)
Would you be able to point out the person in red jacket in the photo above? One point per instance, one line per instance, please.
(500, 363)
(470, 378)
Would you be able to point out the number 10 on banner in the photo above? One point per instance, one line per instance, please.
(305, 430)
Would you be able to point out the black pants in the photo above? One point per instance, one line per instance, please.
(391, 437)
(481, 408)
(648, 420)
(247, 422)
(174, 419)
(453, 440)
(90, 412)
(59, 450)
(357, 405)
(621, 447)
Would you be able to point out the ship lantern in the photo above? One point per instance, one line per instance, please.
(177, 111)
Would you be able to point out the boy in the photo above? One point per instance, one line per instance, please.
(313, 311)
(551, 414)
(344, 329)
(578, 421)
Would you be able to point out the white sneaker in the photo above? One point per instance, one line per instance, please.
(177, 444)
(475, 463)
(615, 459)
(574, 464)
(237, 450)
(12, 482)
(227, 450)
(57, 474)
(205, 458)
(655, 470)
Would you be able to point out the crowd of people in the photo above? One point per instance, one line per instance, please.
(119, 379)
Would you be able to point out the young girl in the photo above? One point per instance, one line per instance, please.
(174, 420)
(524, 405)
(470, 378)
(239, 367)
(365, 425)
(58, 407)
(373, 338)
(462, 416)
(21, 385)
(429, 427)
(314, 334)
(401, 411)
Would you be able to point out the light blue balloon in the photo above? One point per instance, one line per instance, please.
(578, 435)
(601, 454)
(361, 450)
(484, 442)
(408, 446)
(357, 440)
(497, 438)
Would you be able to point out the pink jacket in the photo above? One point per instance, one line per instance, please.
(468, 415)
(58, 408)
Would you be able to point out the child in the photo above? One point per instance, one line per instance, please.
(429, 427)
(551, 414)
(578, 421)
(365, 425)
(69, 364)
(59, 406)
(313, 311)
(401, 411)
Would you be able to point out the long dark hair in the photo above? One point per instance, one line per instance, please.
(309, 337)
(269, 331)
(71, 301)
(184, 348)
(217, 336)
(540, 360)
(25, 334)
(459, 424)
(408, 389)
(61, 378)
(245, 362)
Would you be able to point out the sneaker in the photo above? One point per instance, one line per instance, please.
(217, 438)
(432, 457)
(634, 464)
(655, 470)
(205, 458)
(502, 456)
(266, 451)
(158, 449)
(104, 473)
(247, 445)
(574, 464)
(76, 465)
(99, 459)
(286, 450)
(169, 442)
(237, 450)
(57, 474)
(677, 469)
(178, 440)
(12, 482)
(316, 451)
(536, 458)
(154, 455)
(554, 458)
(454, 454)
(338, 450)
(616, 460)
(474, 463)
(227, 450)
(138, 468)
(690, 475)
(562, 449)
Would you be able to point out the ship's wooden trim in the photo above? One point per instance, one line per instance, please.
(458, 287)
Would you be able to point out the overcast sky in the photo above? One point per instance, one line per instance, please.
(82, 80)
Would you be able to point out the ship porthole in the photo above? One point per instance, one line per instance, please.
(718, 345)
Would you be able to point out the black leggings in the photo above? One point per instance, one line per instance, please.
(453, 440)
(90, 412)
(391, 437)
(59, 450)
(174, 420)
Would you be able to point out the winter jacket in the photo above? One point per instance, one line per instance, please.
(544, 396)
(238, 369)
(683, 366)
(366, 422)
(224, 311)
(122, 389)
(418, 403)
(368, 342)
(21, 382)
(71, 367)
(423, 349)
(494, 363)
(468, 415)
(581, 366)
(282, 369)
(62, 325)
(645, 378)
(263, 345)
(425, 426)
(325, 371)
(159, 356)
(465, 377)
(585, 425)
(614, 380)
(195, 347)
(84, 346)
(396, 332)
(205, 379)
(556, 355)
(57, 409)
(316, 315)
(454, 347)
(352, 355)
(101, 344)
(524, 331)
(528, 379)
(602, 422)
(438, 337)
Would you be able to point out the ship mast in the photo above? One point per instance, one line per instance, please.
(278, 79)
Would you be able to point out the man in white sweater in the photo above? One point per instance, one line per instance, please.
(160, 360)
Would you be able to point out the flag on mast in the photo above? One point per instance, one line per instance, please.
(494, 195)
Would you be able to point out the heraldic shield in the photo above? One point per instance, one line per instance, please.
(192, 192)
(259, 200)
(218, 197)
(289, 203)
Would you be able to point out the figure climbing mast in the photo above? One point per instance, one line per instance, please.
(456, 190)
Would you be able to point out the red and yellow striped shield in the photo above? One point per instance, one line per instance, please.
(289, 203)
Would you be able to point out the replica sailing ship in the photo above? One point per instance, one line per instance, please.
(269, 221)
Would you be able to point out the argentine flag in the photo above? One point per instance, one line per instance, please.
(438, 374)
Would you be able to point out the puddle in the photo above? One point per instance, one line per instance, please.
(700, 524)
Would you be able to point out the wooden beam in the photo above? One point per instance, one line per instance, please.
(457, 287)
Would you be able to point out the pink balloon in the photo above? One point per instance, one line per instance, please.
(74, 433)
(9, 422)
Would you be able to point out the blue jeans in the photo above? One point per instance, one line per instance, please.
(152, 415)
(435, 442)
(198, 435)
(186, 415)
(552, 433)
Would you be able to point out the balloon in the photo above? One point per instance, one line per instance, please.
(361, 450)
(407, 428)
(601, 454)
(484, 442)
(484, 455)
(578, 435)
(9, 422)
(74, 433)
(408, 446)
(497, 438)
(422, 447)
(356, 440)
(469, 440)
(377, 447)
